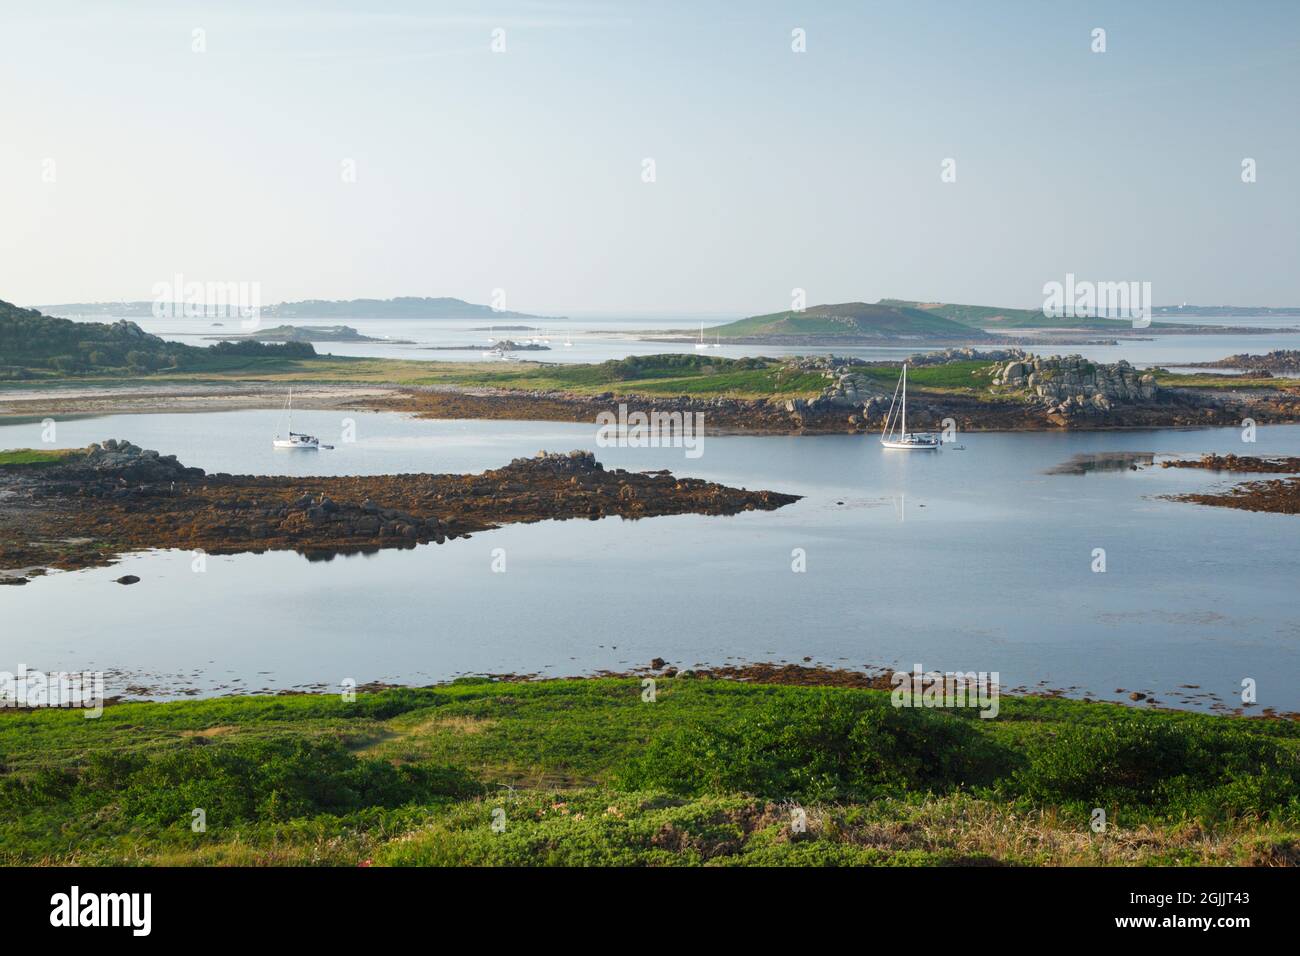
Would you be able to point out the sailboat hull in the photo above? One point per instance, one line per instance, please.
(918, 445)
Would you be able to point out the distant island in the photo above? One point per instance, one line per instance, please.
(307, 333)
(1230, 311)
(848, 323)
(402, 307)
(899, 321)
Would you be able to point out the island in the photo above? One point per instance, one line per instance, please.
(844, 324)
(307, 333)
(501, 347)
(86, 507)
(899, 321)
(401, 307)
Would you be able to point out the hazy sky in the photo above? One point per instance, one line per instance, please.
(523, 170)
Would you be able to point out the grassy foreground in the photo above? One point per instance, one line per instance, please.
(586, 772)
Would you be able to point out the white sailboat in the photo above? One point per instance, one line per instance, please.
(296, 440)
(895, 433)
(701, 344)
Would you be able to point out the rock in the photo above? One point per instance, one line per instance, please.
(128, 579)
(658, 663)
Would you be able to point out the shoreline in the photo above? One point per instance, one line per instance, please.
(1185, 408)
(140, 689)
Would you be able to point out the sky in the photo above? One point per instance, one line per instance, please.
(330, 150)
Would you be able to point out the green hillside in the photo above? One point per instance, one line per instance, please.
(991, 317)
(37, 346)
(847, 321)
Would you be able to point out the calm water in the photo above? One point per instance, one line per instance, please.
(599, 338)
(971, 559)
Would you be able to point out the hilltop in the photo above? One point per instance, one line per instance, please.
(994, 317)
(848, 323)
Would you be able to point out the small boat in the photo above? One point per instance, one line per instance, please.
(899, 436)
(701, 344)
(297, 440)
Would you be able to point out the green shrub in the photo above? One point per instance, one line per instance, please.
(820, 746)
(1180, 768)
(275, 780)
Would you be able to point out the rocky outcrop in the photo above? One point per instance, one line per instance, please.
(132, 463)
(1241, 463)
(1283, 361)
(116, 497)
(1069, 386)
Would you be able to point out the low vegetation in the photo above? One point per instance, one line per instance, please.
(582, 772)
(31, 458)
(1223, 382)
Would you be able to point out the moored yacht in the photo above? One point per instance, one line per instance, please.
(296, 440)
(899, 436)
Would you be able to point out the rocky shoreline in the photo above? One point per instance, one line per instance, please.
(1024, 393)
(1276, 495)
(108, 499)
(1280, 361)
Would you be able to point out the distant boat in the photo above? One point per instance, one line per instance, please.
(297, 440)
(900, 437)
(701, 344)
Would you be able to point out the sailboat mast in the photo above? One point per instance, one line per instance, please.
(904, 431)
(291, 413)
